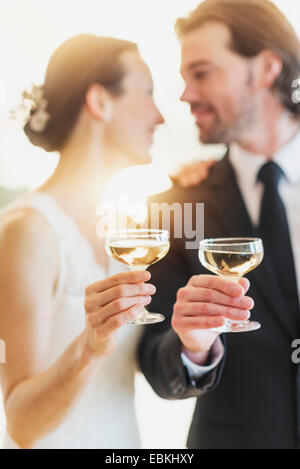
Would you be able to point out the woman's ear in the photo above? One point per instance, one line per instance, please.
(98, 103)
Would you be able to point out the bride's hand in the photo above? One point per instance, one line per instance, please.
(110, 304)
(194, 173)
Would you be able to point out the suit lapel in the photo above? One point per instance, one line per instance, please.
(235, 221)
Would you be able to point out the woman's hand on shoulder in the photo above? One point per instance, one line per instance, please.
(194, 173)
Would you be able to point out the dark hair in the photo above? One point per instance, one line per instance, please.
(74, 66)
(255, 25)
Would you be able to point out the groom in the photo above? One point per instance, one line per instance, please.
(239, 60)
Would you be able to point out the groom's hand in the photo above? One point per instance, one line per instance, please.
(205, 303)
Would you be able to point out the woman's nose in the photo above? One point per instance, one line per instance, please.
(159, 117)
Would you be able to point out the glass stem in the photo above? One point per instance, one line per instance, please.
(141, 268)
(234, 278)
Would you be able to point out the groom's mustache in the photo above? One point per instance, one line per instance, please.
(200, 107)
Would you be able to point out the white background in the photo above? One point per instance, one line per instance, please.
(29, 32)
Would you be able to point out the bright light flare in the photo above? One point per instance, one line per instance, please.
(128, 191)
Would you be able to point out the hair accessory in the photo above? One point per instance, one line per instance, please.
(38, 115)
(33, 109)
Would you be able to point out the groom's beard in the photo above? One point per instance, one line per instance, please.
(241, 119)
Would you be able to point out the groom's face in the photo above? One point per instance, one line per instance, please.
(219, 86)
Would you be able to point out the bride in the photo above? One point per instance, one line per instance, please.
(67, 384)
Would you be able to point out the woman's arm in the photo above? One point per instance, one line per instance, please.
(36, 399)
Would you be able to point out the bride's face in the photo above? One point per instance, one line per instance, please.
(134, 113)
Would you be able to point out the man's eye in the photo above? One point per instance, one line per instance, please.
(200, 75)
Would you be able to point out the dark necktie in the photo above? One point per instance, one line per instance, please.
(274, 231)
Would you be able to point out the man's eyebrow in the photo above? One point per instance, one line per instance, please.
(193, 65)
(198, 63)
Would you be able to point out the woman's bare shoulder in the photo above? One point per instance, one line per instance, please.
(27, 228)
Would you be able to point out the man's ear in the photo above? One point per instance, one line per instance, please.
(98, 103)
(271, 67)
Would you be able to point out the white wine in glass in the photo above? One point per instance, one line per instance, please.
(232, 258)
(138, 249)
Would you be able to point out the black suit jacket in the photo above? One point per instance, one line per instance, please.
(252, 399)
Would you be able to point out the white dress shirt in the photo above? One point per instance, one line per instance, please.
(246, 166)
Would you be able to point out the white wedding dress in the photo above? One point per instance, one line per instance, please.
(104, 417)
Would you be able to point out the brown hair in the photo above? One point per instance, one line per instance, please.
(74, 66)
(255, 25)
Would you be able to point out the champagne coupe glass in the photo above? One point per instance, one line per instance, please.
(138, 249)
(232, 258)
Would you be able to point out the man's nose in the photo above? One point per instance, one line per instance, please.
(189, 95)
